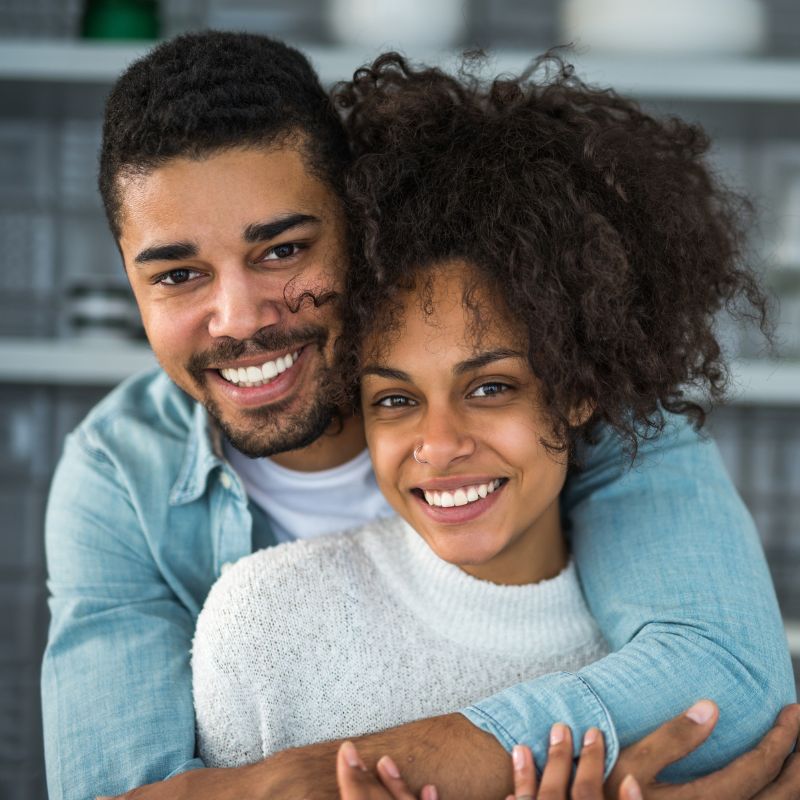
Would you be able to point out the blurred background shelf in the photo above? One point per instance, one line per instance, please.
(99, 362)
(71, 362)
(753, 80)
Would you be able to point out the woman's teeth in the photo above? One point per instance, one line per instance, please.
(258, 376)
(462, 496)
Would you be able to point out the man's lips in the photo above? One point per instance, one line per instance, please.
(254, 394)
(262, 371)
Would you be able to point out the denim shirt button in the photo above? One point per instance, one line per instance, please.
(225, 480)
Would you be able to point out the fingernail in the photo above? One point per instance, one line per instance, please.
(351, 756)
(701, 712)
(518, 757)
(429, 793)
(590, 737)
(390, 767)
(630, 789)
(556, 734)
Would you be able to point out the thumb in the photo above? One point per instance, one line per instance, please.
(671, 741)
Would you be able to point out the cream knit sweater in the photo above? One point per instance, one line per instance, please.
(353, 633)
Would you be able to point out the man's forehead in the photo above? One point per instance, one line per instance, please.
(245, 188)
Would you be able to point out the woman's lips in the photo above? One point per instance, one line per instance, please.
(456, 515)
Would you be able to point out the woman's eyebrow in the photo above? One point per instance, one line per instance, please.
(482, 359)
(385, 372)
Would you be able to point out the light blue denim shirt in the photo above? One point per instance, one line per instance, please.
(144, 512)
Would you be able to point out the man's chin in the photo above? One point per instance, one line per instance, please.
(267, 432)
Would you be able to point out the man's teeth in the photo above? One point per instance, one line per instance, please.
(460, 497)
(258, 376)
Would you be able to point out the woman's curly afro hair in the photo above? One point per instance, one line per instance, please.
(599, 230)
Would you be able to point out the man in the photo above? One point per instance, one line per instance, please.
(221, 172)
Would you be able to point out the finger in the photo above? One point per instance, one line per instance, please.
(787, 785)
(588, 783)
(629, 789)
(390, 777)
(669, 742)
(558, 770)
(524, 773)
(743, 778)
(355, 783)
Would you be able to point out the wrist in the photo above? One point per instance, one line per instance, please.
(449, 751)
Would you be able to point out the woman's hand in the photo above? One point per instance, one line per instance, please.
(357, 783)
(557, 775)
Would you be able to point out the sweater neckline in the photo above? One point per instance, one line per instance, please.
(545, 618)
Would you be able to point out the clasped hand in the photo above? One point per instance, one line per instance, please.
(769, 772)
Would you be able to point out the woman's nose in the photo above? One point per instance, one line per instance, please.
(445, 439)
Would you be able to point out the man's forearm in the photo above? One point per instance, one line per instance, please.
(462, 760)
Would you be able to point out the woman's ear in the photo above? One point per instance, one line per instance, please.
(581, 413)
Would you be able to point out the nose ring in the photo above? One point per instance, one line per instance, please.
(416, 454)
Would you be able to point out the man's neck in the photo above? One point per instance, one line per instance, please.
(342, 442)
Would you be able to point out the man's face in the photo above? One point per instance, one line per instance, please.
(226, 256)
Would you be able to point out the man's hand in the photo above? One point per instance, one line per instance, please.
(770, 771)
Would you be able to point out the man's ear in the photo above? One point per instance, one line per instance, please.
(581, 413)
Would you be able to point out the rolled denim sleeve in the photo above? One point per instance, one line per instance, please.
(673, 570)
(116, 679)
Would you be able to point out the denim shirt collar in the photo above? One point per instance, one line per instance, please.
(203, 454)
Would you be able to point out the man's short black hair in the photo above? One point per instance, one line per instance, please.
(203, 92)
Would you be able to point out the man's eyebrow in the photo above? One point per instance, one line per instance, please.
(264, 231)
(177, 251)
(483, 359)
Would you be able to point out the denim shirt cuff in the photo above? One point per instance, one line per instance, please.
(194, 763)
(524, 714)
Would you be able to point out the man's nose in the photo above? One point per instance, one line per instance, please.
(446, 438)
(242, 305)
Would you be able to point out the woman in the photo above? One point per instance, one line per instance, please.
(532, 261)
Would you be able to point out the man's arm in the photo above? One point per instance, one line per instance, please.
(116, 683)
(675, 575)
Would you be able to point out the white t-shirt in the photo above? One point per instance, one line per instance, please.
(304, 505)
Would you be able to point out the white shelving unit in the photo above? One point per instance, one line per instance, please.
(750, 80)
(104, 363)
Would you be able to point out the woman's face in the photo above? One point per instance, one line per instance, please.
(487, 497)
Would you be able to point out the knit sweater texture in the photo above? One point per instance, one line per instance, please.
(358, 632)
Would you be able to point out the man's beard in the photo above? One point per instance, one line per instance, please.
(273, 429)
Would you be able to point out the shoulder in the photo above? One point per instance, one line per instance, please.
(148, 403)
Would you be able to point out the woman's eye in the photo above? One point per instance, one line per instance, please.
(394, 401)
(281, 251)
(176, 276)
(490, 389)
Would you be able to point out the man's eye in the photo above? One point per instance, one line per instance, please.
(176, 276)
(490, 389)
(394, 401)
(281, 251)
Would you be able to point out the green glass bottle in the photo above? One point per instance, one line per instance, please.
(120, 19)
